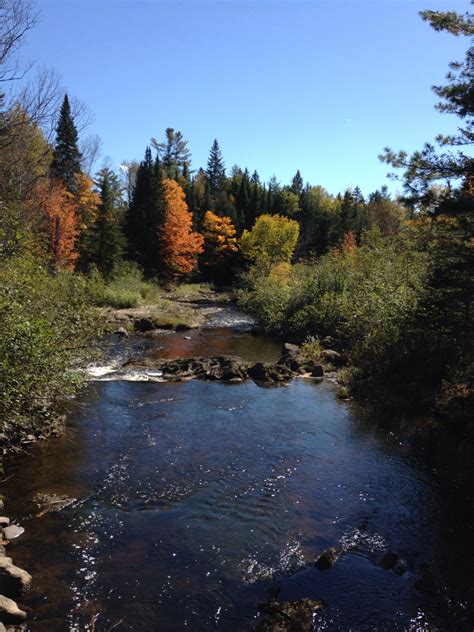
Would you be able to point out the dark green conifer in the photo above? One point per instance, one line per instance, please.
(105, 243)
(297, 183)
(215, 168)
(145, 214)
(66, 161)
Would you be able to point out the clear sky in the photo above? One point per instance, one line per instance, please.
(321, 86)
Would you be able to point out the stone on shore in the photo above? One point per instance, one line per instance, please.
(10, 613)
(13, 531)
(14, 581)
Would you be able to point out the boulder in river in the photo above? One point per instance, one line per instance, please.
(270, 373)
(317, 371)
(14, 581)
(143, 325)
(10, 613)
(328, 558)
(287, 616)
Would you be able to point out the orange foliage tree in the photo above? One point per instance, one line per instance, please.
(59, 210)
(179, 245)
(220, 239)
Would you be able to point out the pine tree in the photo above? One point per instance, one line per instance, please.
(105, 242)
(66, 161)
(215, 168)
(174, 154)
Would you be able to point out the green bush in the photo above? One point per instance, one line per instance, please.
(367, 298)
(46, 329)
(125, 288)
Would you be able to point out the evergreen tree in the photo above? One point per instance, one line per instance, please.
(297, 184)
(174, 154)
(106, 242)
(145, 213)
(66, 161)
(245, 212)
(215, 168)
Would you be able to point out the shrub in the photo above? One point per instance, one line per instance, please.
(46, 329)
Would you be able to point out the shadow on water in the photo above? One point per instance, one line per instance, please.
(192, 499)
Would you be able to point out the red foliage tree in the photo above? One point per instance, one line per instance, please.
(59, 210)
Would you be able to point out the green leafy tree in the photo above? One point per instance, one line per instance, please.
(272, 240)
(66, 161)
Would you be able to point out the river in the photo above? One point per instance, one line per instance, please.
(193, 499)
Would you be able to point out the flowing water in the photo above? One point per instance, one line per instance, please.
(188, 501)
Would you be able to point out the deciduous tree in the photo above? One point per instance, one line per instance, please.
(220, 241)
(61, 223)
(179, 244)
(272, 240)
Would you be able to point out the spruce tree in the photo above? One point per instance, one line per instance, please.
(297, 183)
(215, 168)
(106, 242)
(145, 214)
(66, 161)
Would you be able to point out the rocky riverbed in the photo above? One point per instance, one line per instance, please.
(14, 581)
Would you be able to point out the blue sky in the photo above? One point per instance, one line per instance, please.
(321, 86)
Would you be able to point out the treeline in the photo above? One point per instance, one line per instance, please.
(388, 282)
(392, 293)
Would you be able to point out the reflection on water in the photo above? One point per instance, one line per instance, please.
(194, 498)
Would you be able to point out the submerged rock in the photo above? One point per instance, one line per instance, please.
(52, 502)
(425, 581)
(288, 617)
(10, 613)
(328, 558)
(391, 562)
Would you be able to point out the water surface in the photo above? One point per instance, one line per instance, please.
(194, 498)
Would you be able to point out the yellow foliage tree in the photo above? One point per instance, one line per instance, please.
(220, 239)
(87, 201)
(272, 240)
(179, 244)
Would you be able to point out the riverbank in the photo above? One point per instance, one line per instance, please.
(14, 581)
(192, 503)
